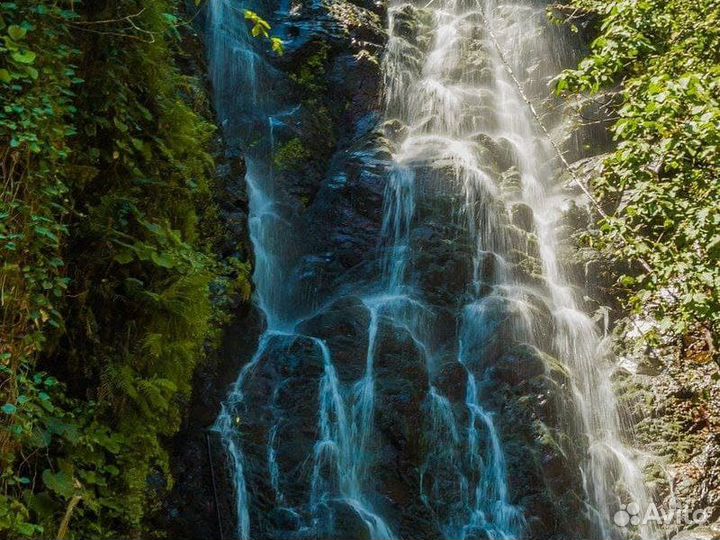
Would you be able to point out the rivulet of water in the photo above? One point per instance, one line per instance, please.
(236, 66)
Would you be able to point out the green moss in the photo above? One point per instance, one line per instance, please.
(310, 77)
(291, 155)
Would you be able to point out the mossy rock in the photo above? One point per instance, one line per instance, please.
(291, 155)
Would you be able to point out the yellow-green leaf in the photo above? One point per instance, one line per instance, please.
(16, 32)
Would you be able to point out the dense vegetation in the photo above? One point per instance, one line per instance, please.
(109, 286)
(660, 59)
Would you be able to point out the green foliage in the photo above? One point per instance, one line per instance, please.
(310, 75)
(261, 28)
(291, 155)
(664, 174)
(107, 229)
(312, 89)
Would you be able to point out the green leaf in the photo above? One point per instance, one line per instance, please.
(120, 124)
(16, 32)
(277, 45)
(28, 529)
(47, 405)
(562, 85)
(163, 260)
(60, 482)
(9, 409)
(24, 57)
(46, 233)
(42, 503)
(124, 257)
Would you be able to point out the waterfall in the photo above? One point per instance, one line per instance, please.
(447, 106)
(460, 131)
(235, 64)
(608, 469)
(345, 416)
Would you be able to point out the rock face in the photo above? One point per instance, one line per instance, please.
(315, 128)
(699, 533)
(315, 463)
(667, 388)
(673, 402)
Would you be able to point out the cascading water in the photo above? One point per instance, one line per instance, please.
(448, 105)
(422, 95)
(608, 471)
(235, 64)
(452, 112)
(341, 456)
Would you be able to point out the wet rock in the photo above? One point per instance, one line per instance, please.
(511, 181)
(284, 519)
(279, 411)
(394, 129)
(361, 22)
(540, 514)
(522, 216)
(402, 383)
(699, 533)
(343, 325)
(499, 150)
(451, 381)
(506, 153)
(405, 22)
(345, 521)
(446, 266)
(477, 533)
(409, 22)
(523, 245)
(576, 217)
(519, 365)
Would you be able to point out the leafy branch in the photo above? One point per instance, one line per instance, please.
(261, 29)
(662, 178)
